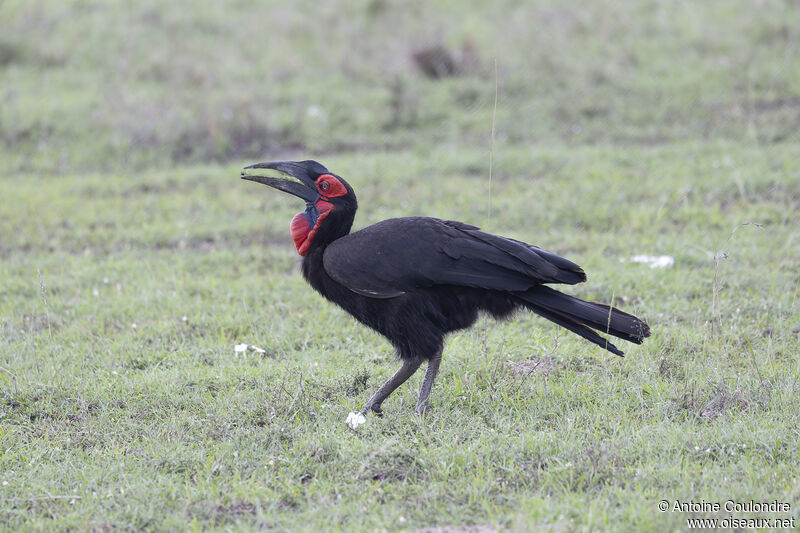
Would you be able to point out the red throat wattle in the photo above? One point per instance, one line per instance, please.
(301, 230)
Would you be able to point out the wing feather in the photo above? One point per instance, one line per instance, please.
(398, 255)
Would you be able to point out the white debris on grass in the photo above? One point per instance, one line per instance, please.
(242, 348)
(355, 419)
(654, 261)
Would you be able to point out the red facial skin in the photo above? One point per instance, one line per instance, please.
(328, 187)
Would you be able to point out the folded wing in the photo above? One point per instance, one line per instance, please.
(398, 255)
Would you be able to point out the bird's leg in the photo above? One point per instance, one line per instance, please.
(427, 382)
(399, 377)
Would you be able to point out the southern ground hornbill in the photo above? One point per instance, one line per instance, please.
(415, 279)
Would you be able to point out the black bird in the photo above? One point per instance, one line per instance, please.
(415, 279)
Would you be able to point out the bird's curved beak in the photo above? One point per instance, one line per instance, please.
(274, 174)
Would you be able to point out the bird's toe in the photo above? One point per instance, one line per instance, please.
(422, 408)
(375, 409)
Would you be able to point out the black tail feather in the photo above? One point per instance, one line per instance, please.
(580, 317)
(576, 327)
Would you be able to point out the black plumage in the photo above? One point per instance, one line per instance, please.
(416, 279)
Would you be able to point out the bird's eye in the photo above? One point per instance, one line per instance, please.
(324, 185)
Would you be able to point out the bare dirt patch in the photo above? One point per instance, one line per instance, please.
(541, 365)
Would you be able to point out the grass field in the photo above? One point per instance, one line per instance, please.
(133, 259)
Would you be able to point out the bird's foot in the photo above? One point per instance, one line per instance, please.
(422, 408)
(375, 408)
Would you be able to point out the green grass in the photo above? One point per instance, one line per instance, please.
(133, 259)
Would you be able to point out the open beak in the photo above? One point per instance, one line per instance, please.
(274, 174)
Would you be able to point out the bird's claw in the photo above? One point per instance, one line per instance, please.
(375, 408)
